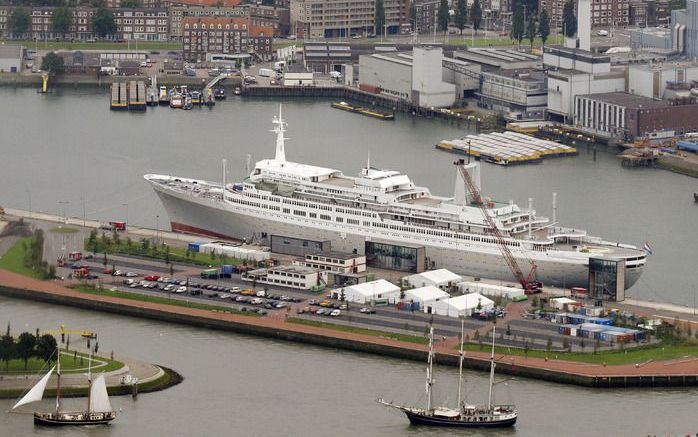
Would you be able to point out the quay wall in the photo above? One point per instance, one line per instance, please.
(416, 353)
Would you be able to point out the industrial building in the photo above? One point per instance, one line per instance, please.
(11, 58)
(424, 77)
(440, 278)
(378, 292)
(494, 58)
(650, 80)
(303, 278)
(628, 116)
(342, 268)
(462, 306)
(517, 94)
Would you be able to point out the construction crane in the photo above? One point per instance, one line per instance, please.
(529, 282)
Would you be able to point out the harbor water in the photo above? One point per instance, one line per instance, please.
(246, 386)
(69, 147)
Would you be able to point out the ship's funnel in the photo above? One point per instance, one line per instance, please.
(462, 194)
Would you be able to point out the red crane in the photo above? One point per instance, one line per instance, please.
(529, 283)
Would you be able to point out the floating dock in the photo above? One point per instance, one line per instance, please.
(136, 96)
(119, 99)
(507, 148)
(374, 113)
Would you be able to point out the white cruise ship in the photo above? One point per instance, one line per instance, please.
(293, 200)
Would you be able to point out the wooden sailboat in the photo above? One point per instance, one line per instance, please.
(98, 412)
(464, 416)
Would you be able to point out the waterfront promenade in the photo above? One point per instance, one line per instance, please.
(653, 373)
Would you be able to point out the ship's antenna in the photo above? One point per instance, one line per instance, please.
(368, 161)
(279, 130)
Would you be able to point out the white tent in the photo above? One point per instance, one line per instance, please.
(426, 296)
(368, 292)
(489, 289)
(441, 278)
(462, 306)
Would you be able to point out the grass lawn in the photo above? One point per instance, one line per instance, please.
(13, 260)
(176, 254)
(499, 41)
(99, 45)
(159, 300)
(636, 355)
(63, 230)
(364, 331)
(69, 364)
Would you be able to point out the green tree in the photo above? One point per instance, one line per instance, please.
(25, 347)
(549, 344)
(130, 4)
(413, 16)
(565, 344)
(544, 26)
(569, 21)
(380, 18)
(442, 16)
(582, 344)
(531, 30)
(476, 15)
(62, 20)
(145, 244)
(8, 349)
(461, 17)
(517, 25)
(103, 23)
(115, 237)
(46, 347)
(19, 22)
(526, 347)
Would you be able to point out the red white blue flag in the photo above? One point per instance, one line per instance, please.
(647, 248)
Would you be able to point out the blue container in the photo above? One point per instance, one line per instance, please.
(227, 269)
(193, 247)
(415, 306)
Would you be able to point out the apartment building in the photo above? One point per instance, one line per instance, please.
(604, 13)
(259, 15)
(312, 19)
(223, 35)
(143, 24)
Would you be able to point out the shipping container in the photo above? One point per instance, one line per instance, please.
(193, 247)
(210, 274)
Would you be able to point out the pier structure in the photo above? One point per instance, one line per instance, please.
(136, 96)
(119, 97)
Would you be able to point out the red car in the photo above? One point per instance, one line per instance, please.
(151, 278)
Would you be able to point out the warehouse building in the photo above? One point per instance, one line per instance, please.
(463, 306)
(627, 116)
(650, 80)
(417, 78)
(11, 58)
(303, 278)
(518, 94)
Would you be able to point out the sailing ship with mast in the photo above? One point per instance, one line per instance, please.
(464, 415)
(99, 410)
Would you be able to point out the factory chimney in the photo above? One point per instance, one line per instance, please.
(584, 24)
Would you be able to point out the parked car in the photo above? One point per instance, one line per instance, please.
(153, 278)
(320, 312)
(335, 313)
(256, 301)
(181, 290)
(132, 275)
(367, 310)
(235, 290)
(281, 305)
(261, 293)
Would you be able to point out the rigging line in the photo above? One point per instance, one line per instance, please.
(34, 379)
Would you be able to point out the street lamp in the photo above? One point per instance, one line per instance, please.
(29, 193)
(157, 228)
(83, 211)
(65, 217)
(126, 205)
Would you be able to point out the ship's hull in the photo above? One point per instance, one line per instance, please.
(73, 419)
(421, 419)
(200, 216)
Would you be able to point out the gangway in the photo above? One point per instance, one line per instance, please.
(213, 82)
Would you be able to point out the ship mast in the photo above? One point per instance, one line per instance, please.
(430, 367)
(489, 400)
(460, 366)
(279, 130)
(58, 381)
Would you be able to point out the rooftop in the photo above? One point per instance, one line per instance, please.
(10, 51)
(437, 276)
(335, 254)
(628, 100)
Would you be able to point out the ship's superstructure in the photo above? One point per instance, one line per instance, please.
(297, 200)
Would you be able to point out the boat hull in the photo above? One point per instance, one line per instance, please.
(200, 216)
(73, 419)
(420, 419)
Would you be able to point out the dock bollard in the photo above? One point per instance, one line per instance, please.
(134, 390)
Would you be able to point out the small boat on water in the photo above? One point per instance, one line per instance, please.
(237, 91)
(219, 93)
(196, 98)
(176, 100)
(465, 415)
(381, 115)
(187, 103)
(163, 96)
(98, 412)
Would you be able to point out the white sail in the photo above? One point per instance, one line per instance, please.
(37, 392)
(99, 399)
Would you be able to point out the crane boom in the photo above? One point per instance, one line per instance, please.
(527, 282)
